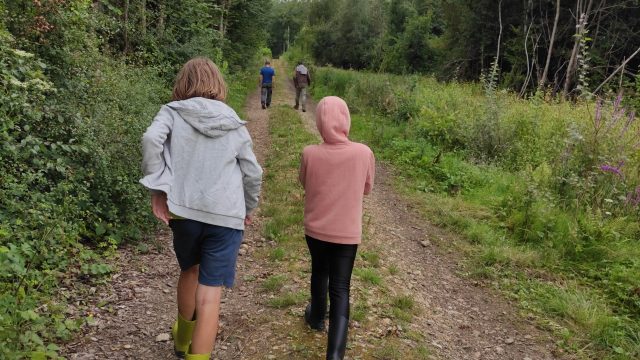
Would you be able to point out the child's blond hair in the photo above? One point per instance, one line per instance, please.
(199, 77)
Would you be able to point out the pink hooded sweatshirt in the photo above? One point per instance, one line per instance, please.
(335, 175)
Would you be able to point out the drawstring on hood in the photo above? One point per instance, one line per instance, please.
(333, 120)
(210, 117)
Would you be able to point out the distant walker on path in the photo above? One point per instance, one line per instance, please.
(301, 80)
(267, 74)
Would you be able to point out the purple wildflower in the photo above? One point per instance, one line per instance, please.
(632, 116)
(617, 102)
(612, 169)
(598, 117)
(633, 198)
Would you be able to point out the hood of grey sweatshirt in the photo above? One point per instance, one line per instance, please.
(200, 154)
(211, 118)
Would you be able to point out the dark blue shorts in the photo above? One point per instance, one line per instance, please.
(215, 248)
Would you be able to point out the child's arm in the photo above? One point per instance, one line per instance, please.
(153, 140)
(371, 172)
(251, 172)
(153, 162)
(159, 206)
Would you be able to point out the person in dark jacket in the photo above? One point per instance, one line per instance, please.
(301, 80)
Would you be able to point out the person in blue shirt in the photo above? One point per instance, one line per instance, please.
(267, 75)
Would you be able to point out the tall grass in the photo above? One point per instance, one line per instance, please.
(554, 193)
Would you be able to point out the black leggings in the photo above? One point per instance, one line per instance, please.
(331, 266)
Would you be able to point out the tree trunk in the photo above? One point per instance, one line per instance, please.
(582, 17)
(222, 26)
(143, 17)
(545, 72)
(161, 18)
(126, 26)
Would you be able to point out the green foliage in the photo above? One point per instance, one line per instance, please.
(274, 283)
(72, 111)
(285, 23)
(412, 51)
(348, 36)
(368, 275)
(288, 299)
(67, 177)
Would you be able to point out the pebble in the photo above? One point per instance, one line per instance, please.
(127, 346)
(163, 337)
(509, 341)
(499, 350)
(94, 338)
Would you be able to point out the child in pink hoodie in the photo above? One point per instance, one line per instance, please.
(335, 175)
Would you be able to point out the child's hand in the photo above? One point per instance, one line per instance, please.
(159, 207)
(248, 220)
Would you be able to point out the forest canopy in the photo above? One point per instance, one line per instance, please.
(572, 47)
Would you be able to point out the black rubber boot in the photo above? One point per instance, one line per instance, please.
(315, 325)
(337, 342)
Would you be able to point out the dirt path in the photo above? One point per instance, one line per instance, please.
(459, 320)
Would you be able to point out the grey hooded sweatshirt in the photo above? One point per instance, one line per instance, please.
(199, 153)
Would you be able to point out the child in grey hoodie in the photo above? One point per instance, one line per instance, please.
(205, 182)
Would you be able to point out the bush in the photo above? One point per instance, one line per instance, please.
(67, 181)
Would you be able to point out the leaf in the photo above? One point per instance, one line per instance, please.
(38, 355)
(29, 315)
(100, 229)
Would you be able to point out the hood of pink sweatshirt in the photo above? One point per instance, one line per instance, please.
(333, 120)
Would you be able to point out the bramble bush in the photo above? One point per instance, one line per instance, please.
(69, 178)
(74, 102)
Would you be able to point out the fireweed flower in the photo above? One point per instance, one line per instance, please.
(630, 119)
(613, 169)
(633, 198)
(598, 117)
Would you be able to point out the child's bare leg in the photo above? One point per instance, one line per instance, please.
(208, 309)
(187, 284)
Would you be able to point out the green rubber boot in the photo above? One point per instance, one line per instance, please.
(182, 331)
(198, 356)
